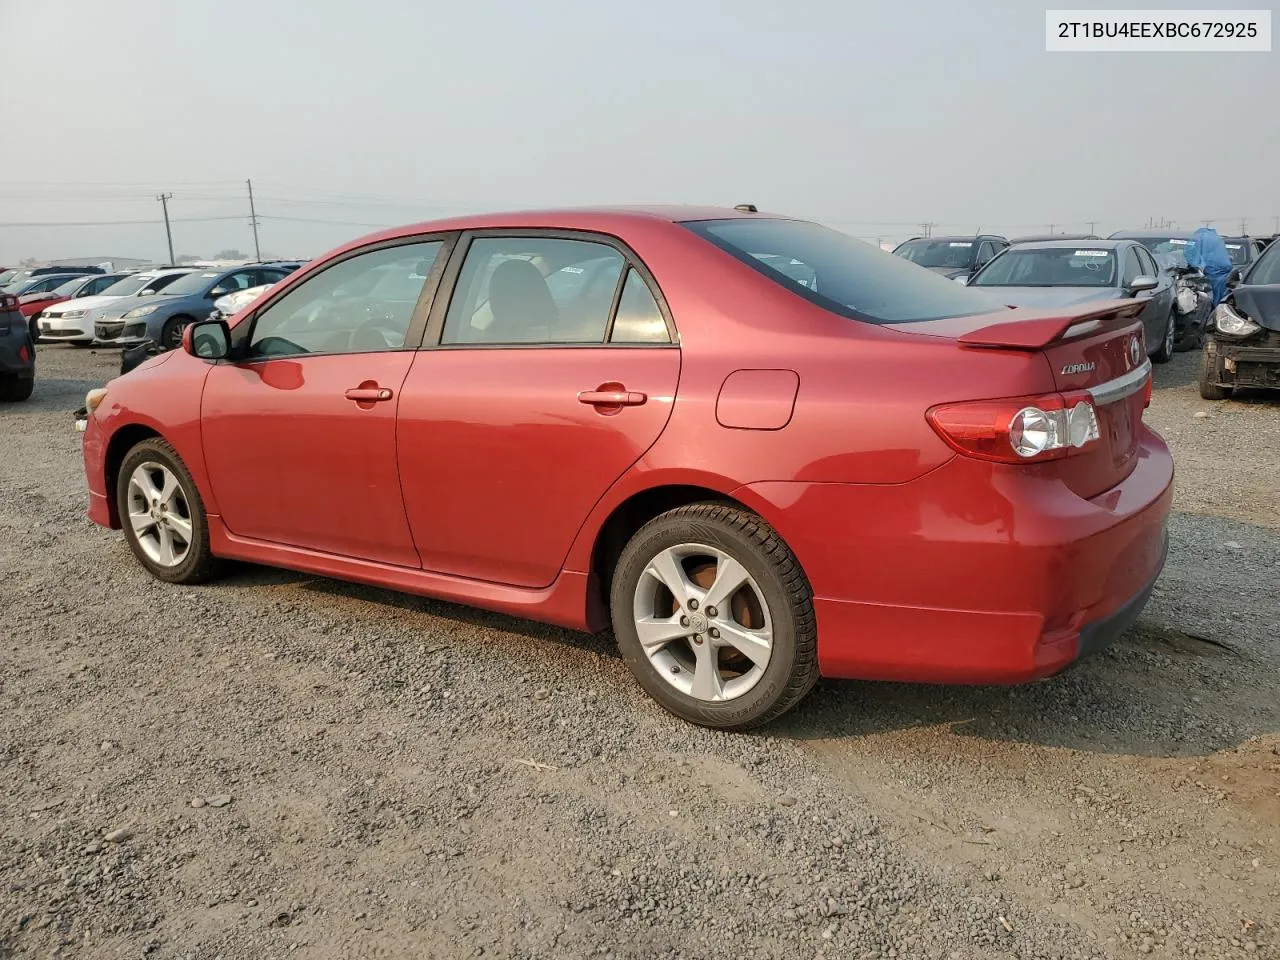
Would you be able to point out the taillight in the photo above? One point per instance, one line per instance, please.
(1018, 429)
(1146, 392)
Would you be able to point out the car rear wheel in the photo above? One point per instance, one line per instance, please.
(163, 515)
(15, 389)
(1164, 352)
(714, 616)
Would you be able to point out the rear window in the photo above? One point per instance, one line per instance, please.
(841, 273)
(945, 254)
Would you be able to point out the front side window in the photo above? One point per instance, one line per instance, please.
(848, 276)
(363, 304)
(1053, 267)
(533, 290)
(1148, 262)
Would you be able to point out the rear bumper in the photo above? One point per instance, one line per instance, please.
(974, 576)
(17, 358)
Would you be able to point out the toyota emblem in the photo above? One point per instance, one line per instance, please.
(1135, 351)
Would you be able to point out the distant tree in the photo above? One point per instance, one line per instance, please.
(230, 255)
(29, 262)
(189, 257)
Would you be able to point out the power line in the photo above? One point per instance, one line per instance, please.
(118, 223)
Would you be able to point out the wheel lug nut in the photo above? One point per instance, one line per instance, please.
(713, 633)
(711, 611)
(697, 638)
(684, 621)
(693, 604)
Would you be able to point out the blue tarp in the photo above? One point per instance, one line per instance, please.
(1208, 254)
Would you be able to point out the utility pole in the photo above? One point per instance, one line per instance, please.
(1051, 226)
(1093, 226)
(253, 219)
(927, 228)
(164, 199)
(1244, 226)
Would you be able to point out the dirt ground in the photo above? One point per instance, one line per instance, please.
(283, 766)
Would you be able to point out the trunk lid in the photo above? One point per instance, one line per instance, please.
(1097, 348)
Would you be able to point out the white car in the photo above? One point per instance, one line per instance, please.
(233, 303)
(72, 320)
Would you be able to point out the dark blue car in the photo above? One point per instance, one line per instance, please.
(162, 316)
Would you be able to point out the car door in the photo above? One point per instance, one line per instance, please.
(547, 374)
(299, 431)
(1131, 269)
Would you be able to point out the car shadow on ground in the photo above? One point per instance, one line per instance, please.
(246, 575)
(1157, 693)
(1181, 371)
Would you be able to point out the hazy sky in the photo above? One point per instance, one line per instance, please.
(381, 112)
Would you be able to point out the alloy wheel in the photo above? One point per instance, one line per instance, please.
(703, 622)
(159, 514)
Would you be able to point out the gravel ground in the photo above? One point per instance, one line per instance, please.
(279, 765)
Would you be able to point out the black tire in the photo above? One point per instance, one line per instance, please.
(1164, 352)
(199, 565)
(171, 334)
(16, 389)
(81, 344)
(33, 325)
(1210, 389)
(792, 668)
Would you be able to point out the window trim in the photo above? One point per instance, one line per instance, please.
(434, 332)
(242, 334)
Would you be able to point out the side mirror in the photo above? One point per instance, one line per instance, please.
(963, 278)
(207, 339)
(1143, 283)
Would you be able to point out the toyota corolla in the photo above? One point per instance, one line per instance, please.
(635, 418)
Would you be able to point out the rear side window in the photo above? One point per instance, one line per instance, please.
(639, 319)
(533, 290)
(841, 273)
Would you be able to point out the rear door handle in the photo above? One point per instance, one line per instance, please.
(612, 398)
(369, 394)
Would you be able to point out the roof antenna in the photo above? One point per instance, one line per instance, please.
(747, 208)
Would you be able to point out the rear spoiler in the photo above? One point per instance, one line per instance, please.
(1043, 327)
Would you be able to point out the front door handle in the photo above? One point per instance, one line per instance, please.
(369, 394)
(612, 398)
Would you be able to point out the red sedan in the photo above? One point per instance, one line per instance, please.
(760, 449)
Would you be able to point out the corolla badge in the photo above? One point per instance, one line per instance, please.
(1071, 368)
(1135, 351)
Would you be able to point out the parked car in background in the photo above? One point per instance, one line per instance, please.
(162, 317)
(956, 258)
(1058, 273)
(1192, 289)
(21, 276)
(1038, 237)
(1242, 346)
(7, 274)
(17, 352)
(633, 417)
(233, 303)
(33, 304)
(41, 284)
(1243, 251)
(72, 320)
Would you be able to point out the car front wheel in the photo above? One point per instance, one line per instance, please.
(714, 616)
(163, 516)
